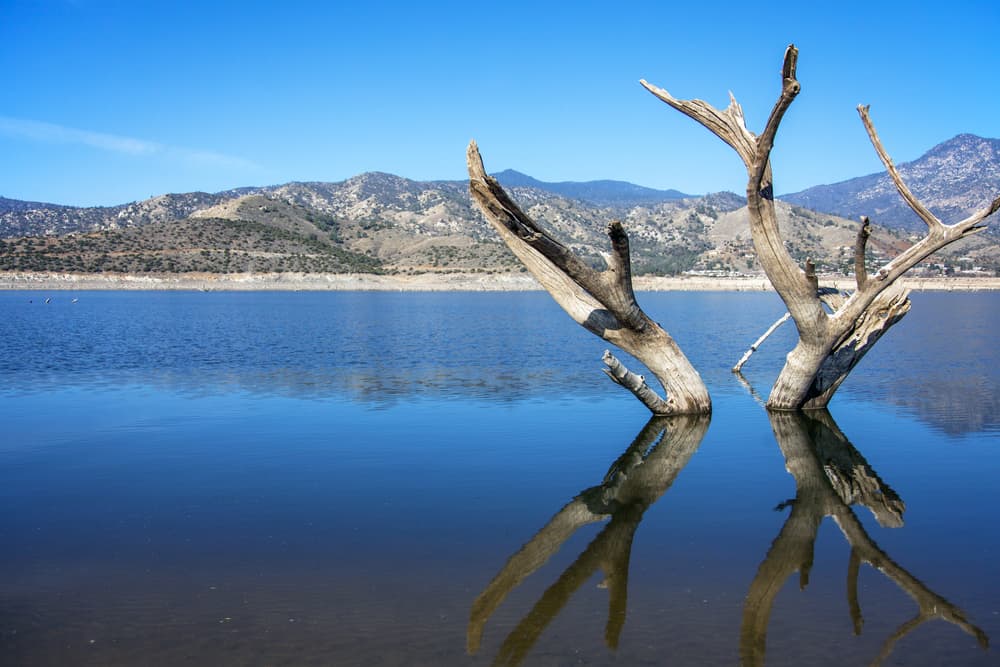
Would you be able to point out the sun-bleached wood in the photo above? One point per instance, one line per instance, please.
(760, 341)
(830, 344)
(602, 302)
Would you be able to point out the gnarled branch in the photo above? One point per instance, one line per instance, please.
(830, 344)
(634, 383)
(938, 235)
(603, 302)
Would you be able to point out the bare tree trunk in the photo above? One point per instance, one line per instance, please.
(830, 475)
(603, 302)
(830, 344)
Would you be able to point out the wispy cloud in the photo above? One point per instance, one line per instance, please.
(35, 130)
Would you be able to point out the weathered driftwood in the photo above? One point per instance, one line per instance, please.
(830, 475)
(603, 302)
(760, 341)
(632, 484)
(830, 344)
(831, 297)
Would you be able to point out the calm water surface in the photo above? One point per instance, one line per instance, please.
(427, 479)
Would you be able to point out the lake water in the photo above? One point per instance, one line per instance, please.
(450, 479)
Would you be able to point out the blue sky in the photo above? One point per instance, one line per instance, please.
(106, 102)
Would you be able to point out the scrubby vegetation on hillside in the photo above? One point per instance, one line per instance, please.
(212, 245)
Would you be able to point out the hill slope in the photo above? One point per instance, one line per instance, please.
(378, 222)
(953, 179)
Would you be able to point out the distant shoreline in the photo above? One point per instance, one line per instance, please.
(426, 282)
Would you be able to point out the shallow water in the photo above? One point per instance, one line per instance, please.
(425, 479)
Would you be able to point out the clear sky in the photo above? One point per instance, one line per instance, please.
(105, 102)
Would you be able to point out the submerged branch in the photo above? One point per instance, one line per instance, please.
(757, 343)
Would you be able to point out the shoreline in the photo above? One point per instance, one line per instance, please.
(426, 282)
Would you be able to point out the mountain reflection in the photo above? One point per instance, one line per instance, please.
(830, 476)
(632, 484)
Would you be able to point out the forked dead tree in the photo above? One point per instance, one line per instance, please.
(833, 334)
(602, 302)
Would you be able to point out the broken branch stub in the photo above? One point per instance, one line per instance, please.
(602, 302)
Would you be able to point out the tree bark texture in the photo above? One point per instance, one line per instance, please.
(603, 302)
(830, 343)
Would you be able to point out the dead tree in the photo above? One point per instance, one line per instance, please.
(602, 302)
(830, 343)
(831, 475)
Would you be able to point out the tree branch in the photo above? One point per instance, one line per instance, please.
(860, 244)
(757, 343)
(728, 125)
(765, 142)
(830, 343)
(634, 383)
(603, 302)
(938, 235)
(493, 199)
(897, 180)
(618, 279)
(887, 308)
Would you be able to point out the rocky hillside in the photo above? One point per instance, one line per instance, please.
(953, 179)
(378, 222)
(52, 219)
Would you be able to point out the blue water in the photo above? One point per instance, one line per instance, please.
(345, 478)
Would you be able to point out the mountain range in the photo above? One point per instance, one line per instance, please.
(378, 222)
(954, 179)
(598, 193)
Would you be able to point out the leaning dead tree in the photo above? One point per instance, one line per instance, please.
(833, 334)
(603, 302)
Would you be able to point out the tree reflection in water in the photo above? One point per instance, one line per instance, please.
(830, 476)
(632, 484)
